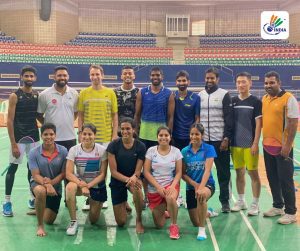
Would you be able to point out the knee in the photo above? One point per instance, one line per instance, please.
(71, 188)
(159, 225)
(93, 218)
(121, 222)
(40, 191)
(48, 221)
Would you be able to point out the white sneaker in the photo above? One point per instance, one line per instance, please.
(179, 201)
(273, 212)
(72, 228)
(254, 209)
(86, 206)
(238, 206)
(105, 205)
(287, 219)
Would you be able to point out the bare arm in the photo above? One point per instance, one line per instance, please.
(75, 115)
(138, 110)
(113, 169)
(258, 124)
(178, 170)
(114, 126)
(208, 165)
(40, 118)
(291, 129)
(171, 109)
(197, 119)
(80, 123)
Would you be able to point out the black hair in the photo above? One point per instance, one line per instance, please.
(60, 67)
(28, 68)
(183, 73)
(128, 120)
(213, 70)
(89, 126)
(243, 74)
(156, 68)
(163, 128)
(48, 126)
(199, 127)
(273, 74)
(127, 67)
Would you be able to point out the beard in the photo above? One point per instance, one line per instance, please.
(28, 83)
(61, 84)
(182, 87)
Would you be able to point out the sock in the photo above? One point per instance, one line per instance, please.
(255, 200)
(7, 198)
(201, 234)
(241, 197)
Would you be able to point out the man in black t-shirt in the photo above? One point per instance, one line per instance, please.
(247, 129)
(21, 124)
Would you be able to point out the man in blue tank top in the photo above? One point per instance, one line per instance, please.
(21, 123)
(154, 108)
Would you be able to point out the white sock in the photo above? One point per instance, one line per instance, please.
(201, 233)
(255, 200)
(7, 198)
(241, 197)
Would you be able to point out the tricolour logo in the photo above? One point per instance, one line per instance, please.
(274, 25)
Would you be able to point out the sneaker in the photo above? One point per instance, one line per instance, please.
(179, 201)
(273, 212)
(201, 235)
(239, 205)
(72, 228)
(211, 213)
(225, 208)
(31, 204)
(174, 232)
(254, 209)
(86, 206)
(287, 219)
(7, 209)
(105, 205)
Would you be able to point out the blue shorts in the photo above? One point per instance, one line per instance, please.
(119, 194)
(191, 201)
(98, 194)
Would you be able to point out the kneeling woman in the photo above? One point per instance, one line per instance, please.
(90, 160)
(162, 169)
(126, 156)
(198, 159)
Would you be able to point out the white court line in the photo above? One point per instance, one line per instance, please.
(212, 235)
(258, 241)
(82, 218)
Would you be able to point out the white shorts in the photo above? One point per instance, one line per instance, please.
(24, 149)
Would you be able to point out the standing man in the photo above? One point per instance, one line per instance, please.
(187, 110)
(154, 108)
(98, 105)
(247, 129)
(21, 122)
(47, 165)
(126, 94)
(58, 105)
(216, 115)
(280, 120)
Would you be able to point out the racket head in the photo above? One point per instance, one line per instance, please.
(272, 146)
(26, 140)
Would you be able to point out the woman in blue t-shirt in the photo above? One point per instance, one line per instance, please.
(198, 158)
(126, 156)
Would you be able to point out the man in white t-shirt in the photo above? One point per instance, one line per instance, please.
(58, 105)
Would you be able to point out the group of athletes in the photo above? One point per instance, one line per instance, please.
(150, 138)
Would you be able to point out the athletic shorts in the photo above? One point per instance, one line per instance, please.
(242, 157)
(53, 202)
(155, 199)
(24, 149)
(98, 194)
(191, 201)
(119, 194)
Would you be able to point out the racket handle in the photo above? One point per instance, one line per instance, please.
(5, 171)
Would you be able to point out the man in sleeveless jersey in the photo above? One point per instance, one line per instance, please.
(21, 122)
(216, 115)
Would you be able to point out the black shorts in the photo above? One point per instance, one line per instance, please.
(98, 194)
(119, 194)
(53, 202)
(191, 201)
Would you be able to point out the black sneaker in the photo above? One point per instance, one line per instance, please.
(225, 208)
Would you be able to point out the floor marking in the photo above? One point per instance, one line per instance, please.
(258, 241)
(111, 232)
(212, 235)
(82, 219)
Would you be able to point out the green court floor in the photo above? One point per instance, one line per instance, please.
(234, 231)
